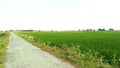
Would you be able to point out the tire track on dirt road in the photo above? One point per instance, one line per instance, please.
(22, 54)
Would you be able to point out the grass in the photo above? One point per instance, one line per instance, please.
(84, 49)
(3, 44)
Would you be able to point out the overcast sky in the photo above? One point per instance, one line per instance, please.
(59, 14)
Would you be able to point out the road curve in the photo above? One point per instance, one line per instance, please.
(22, 54)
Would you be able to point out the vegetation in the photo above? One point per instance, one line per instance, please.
(3, 44)
(84, 49)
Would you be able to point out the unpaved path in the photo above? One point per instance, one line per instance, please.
(22, 54)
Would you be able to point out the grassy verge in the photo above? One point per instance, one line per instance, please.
(73, 52)
(74, 56)
(3, 44)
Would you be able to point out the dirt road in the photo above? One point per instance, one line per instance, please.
(22, 54)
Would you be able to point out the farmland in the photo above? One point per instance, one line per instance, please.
(84, 49)
(3, 44)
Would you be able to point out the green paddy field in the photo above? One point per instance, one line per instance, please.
(99, 49)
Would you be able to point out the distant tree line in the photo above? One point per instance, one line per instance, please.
(110, 29)
(100, 29)
(30, 30)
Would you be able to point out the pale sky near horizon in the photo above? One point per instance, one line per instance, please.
(59, 14)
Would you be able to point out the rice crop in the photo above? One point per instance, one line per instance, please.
(105, 43)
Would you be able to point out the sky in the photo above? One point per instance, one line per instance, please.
(59, 14)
